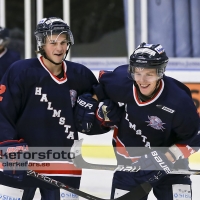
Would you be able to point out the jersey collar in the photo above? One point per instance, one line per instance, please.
(159, 92)
(55, 78)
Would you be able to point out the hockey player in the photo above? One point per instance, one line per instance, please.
(37, 100)
(7, 56)
(158, 114)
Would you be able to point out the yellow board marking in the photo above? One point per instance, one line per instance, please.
(99, 151)
(106, 151)
(195, 158)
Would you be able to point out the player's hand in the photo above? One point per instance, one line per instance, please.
(153, 166)
(12, 158)
(109, 113)
(85, 112)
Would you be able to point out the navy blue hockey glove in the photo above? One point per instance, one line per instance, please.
(85, 112)
(109, 113)
(12, 159)
(153, 167)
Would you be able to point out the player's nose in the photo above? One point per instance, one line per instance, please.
(59, 47)
(142, 79)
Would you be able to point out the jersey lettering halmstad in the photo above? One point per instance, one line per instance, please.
(30, 94)
(138, 132)
(55, 113)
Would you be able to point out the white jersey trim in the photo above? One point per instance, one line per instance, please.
(152, 100)
(57, 80)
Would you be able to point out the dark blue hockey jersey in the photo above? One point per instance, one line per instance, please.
(6, 59)
(37, 106)
(169, 118)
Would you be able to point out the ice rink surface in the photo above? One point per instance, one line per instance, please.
(94, 182)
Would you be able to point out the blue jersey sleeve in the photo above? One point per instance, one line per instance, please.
(9, 106)
(80, 78)
(115, 85)
(187, 126)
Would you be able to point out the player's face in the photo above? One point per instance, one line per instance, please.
(55, 47)
(146, 79)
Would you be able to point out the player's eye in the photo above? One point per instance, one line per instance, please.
(52, 42)
(137, 74)
(64, 42)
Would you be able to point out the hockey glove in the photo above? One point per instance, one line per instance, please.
(109, 113)
(153, 167)
(12, 158)
(85, 112)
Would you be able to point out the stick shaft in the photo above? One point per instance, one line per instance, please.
(139, 192)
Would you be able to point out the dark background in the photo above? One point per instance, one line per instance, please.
(97, 26)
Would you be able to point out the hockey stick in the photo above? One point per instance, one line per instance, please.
(81, 163)
(136, 193)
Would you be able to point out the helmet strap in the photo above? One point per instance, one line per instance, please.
(67, 51)
(145, 98)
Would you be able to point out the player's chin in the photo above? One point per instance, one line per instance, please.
(145, 92)
(58, 59)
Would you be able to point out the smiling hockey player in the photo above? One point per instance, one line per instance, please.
(37, 101)
(158, 113)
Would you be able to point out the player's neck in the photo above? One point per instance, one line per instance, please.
(54, 69)
(144, 98)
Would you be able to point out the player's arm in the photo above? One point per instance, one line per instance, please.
(12, 159)
(183, 150)
(99, 89)
(97, 103)
(10, 145)
(85, 112)
(186, 129)
(109, 112)
(85, 106)
(10, 105)
(93, 117)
